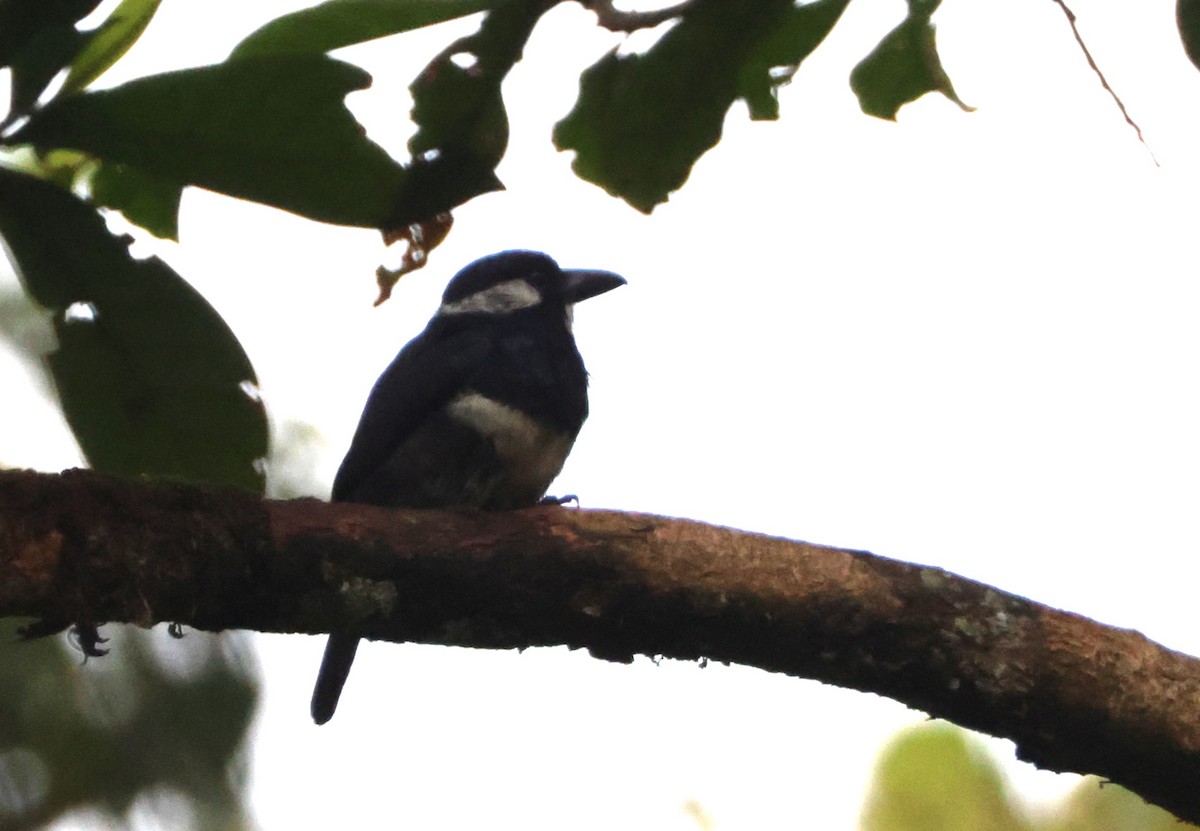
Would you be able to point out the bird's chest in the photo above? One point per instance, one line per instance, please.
(538, 374)
(530, 452)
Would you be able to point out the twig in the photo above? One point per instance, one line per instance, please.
(1104, 81)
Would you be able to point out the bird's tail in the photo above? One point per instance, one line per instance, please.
(335, 667)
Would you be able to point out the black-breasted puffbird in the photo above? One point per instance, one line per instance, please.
(479, 410)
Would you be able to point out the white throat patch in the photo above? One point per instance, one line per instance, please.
(500, 299)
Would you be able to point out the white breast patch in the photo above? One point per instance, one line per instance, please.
(532, 450)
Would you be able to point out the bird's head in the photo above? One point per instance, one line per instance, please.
(512, 281)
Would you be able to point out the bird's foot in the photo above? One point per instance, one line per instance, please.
(87, 639)
(559, 500)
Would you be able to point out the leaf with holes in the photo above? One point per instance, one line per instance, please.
(151, 379)
(642, 120)
(462, 126)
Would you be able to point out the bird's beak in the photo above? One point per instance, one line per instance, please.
(580, 284)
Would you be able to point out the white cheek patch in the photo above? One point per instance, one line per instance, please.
(530, 449)
(499, 299)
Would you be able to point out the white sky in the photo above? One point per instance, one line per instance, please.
(963, 339)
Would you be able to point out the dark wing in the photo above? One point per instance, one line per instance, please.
(429, 371)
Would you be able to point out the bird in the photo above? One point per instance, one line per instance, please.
(477, 411)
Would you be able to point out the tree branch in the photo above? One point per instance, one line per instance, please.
(1073, 694)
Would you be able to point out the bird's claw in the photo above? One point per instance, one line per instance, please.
(86, 638)
(559, 500)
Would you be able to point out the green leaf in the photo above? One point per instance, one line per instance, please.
(37, 39)
(22, 21)
(780, 54)
(273, 129)
(62, 167)
(1105, 806)
(151, 379)
(337, 23)
(937, 777)
(108, 43)
(462, 126)
(34, 67)
(456, 98)
(1187, 18)
(642, 120)
(144, 200)
(162, 728)
(904, 66)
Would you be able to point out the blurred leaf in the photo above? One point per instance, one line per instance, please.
(108, 43)
(1187, 18)
(37, 39)
(98, 735)
(62, 167)
(936, 777)
(22, 21)
(272, 129)
(642, 120)
(151, 379)
(34, 67)
(144, 200)
(780, 54)
(904, 66)
(1102, 806)
(337, 23)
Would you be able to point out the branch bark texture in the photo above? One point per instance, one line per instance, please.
(1073, 694)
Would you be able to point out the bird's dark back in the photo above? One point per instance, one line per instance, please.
(410, 449)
